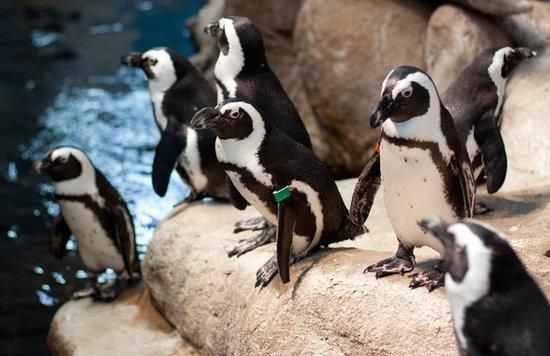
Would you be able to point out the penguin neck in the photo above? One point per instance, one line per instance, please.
(84, 184)
(495, 73)
(157, 86)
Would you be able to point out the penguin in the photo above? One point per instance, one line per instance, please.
(177, 92)
(95, 213)
(242, 71)
(475, 100)
(422, 167)
(497, 308)
(261, 160)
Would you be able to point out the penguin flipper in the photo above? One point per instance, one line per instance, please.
(365, 190)
(124, 237)
(493, 152)
(235, 196)
(285, 228)
(172, 143)
(59, 236)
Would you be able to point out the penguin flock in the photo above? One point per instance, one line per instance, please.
(245, 143)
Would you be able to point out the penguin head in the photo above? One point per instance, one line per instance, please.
(239, 38)
(477, 257)
(407, 92)
(501, 61)
(230, 119)
(63, 163)
(162, 66)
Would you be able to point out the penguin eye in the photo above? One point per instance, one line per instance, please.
(154, 62)
(234, 114)
(407, 92)
(61, 160)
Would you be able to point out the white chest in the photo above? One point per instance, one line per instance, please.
(96, 249)
(413, 189)
(471, 145)
(190, 159)
(160, 119)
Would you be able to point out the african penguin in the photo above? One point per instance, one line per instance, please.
(260, 159)
(177, 92)
(242, 71)
(94, 212)
(496, 306)
(422, 167)
(475, 100)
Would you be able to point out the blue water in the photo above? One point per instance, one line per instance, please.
(86, 100)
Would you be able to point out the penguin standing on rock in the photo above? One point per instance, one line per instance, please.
(421, 166)
(496, 306)
(242, 71)
(94, 212)
(281, 178)
(177, 92)
(475, 100)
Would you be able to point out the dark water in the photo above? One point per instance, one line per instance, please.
(60, 83)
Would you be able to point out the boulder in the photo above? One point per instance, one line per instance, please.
(343, 64)
(531, 29)
(329, 307)
(525, 125)
(497, 7)
(454, 37)
(130, 325)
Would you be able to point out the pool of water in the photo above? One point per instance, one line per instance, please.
(61, 83)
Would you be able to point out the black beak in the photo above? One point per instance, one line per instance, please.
(438, 229)
(133, 59)
(382, 111)
(212, 29)
(40, 166)
(207, 118)
(524, 53)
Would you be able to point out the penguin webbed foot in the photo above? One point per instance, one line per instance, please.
(266, 273)
(246, 245)
(402, 262)
(481, 208)
(253, 224)
(432, 279)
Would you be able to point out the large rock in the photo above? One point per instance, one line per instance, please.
(497, 7)
(128, 326)
(343, 64)
(526, 125)
(329, 307)
(454, 37)
(530, 29)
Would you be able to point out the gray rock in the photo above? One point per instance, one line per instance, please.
(329, 307)
(454, 37)
(531, 29)
(129, 325)
(497, 7)
(343, 64)
(526, 125)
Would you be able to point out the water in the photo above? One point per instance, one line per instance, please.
(60, 83)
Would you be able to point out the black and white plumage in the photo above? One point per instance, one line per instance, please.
(497, 308)
(178, 91)
(260, 159)
(475, 102)
(91, 210)
(421, 167)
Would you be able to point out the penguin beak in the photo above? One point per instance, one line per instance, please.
(133, 59)
(437, 228)
(41, 166)
(382, 111)
(212, 29)
(524, 53)
(207, 118)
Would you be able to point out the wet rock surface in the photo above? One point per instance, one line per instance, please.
(329, 307)
(129, 325)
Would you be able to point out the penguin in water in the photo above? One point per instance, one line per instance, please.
(264, 164)
(422, 167)
(95, 213)
(242, 71)
(475, 100)
(177, 92)
(496, 306)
